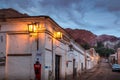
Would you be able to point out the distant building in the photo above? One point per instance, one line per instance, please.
(115, 58)
(118, 55)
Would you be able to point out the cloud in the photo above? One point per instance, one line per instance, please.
(84, 14)
(59, 3)
(21, 3)
(110, 5)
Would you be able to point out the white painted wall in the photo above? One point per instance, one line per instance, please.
(14, 26)
(18, 44)
(18, 68)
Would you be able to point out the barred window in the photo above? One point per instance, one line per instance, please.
(1, 38)
(2, 59)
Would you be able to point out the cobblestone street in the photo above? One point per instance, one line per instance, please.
(101, 72)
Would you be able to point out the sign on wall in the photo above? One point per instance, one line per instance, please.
(38, 56)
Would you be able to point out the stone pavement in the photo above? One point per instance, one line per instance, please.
(89, 73)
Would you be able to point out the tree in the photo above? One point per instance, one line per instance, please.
(86, 46)
(102, 51)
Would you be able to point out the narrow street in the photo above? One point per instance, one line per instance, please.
(103, 72)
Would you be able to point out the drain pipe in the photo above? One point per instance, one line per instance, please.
(52, 61)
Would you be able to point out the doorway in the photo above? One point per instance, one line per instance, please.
(57, 67)
(74, 69)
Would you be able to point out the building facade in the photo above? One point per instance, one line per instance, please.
(92, 58)
(22, 48)
(26, 40)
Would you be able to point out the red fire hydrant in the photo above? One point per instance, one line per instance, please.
(37, 69)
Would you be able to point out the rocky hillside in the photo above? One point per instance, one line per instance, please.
(103, 38)
(9, 12)
(108, 41)
(84, 36)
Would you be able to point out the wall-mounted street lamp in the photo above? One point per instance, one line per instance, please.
(58, 35)
(33, 27)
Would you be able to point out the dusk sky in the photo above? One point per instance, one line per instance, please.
(97, 16)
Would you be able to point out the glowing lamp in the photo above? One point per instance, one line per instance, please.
(33, 27)
(58, 35)
(30, 27)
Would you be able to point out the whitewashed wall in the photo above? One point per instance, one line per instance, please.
(12, 26)
(15, 65)
(18, 67)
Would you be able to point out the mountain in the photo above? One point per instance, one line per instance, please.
(108, 41)
(82, 36)
(9, 12)
(103, 38)
(87, 37)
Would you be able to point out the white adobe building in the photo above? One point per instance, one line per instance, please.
(95, 56)
(115, 58)
(60, 59)
(89, 61)
(92, 58)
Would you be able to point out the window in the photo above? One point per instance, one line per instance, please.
(1, 38)
(2, 59)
